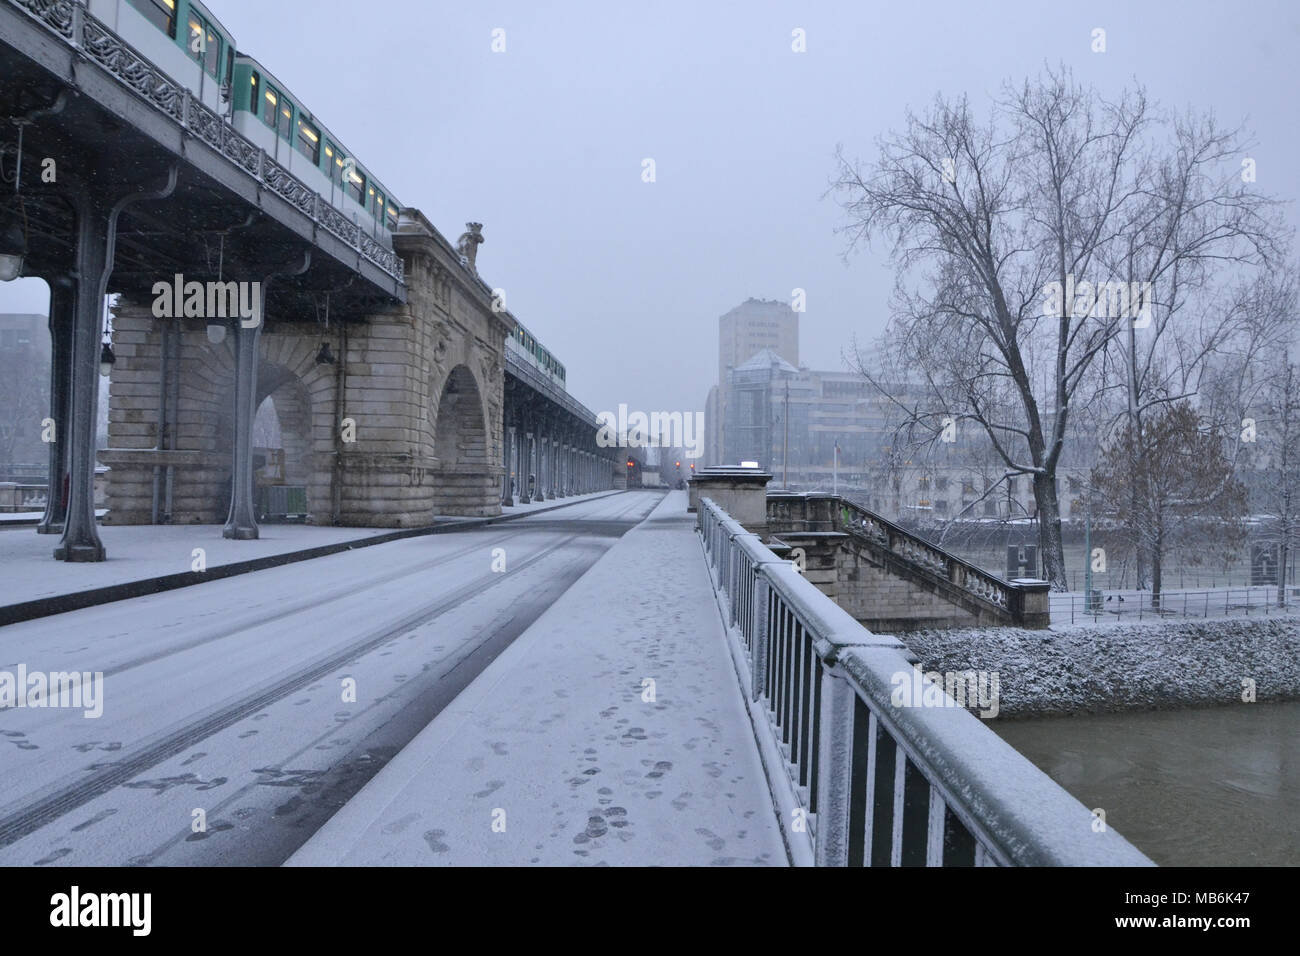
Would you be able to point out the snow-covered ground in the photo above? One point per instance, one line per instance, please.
(1131, 666)
(232, 698)
(138, 552)
(557, 754)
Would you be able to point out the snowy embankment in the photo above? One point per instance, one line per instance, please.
(1152, 665)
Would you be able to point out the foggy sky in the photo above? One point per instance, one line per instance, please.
(625, 280)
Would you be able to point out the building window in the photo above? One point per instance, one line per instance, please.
(941, 483)
(967, 486)
(161, 13)
(941, 506)
(990, 509)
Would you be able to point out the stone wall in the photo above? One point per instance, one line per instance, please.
(409, 427)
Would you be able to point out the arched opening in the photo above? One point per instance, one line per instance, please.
(463, 481)
(281, 446)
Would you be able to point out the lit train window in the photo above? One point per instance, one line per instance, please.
(253, 80)
(391, 215)
(271, 100)
(356, 186)
(370, 199)
(309, 142)
(161, 13)
(333, 163)
(203, 44)
(286, 120)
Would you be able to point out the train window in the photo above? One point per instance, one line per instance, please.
(333, 163)
(379, 206)
(230, 65)
(161, 13)
(356, 186)
(285, 127)
(309, 142)
(270, 103)
(391, 214)
(203, 44)
(253, 80)
(370, 199)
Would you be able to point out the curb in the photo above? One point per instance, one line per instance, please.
(79, 600)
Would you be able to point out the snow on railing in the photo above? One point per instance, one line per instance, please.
(880, 783)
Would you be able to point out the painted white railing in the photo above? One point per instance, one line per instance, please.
(875, 783)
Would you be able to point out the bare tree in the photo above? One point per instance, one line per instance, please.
(1183, 491)
(1277, 432)
(1035, 235)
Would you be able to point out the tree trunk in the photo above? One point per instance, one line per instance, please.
(1050, 545)
(1281, 572)
(1156, 560)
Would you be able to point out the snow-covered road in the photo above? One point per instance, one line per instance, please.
(228, 703)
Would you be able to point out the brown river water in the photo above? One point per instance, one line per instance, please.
(1211, 786)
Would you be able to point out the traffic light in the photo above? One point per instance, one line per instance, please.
(679, 464)
(629, 462)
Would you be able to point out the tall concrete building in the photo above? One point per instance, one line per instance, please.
(24, 395)
(750, 328)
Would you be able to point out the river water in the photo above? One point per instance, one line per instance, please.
(1212, 786)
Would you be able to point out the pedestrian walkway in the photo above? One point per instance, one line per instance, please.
(612, 731)
(146, 559)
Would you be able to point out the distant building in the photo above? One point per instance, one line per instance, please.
(751, 327)
(24, 395)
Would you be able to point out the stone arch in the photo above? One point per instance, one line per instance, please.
(464, 483)
(301, 393)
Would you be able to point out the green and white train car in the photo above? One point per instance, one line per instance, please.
(189, 44)
(267, 113)
(180, 37)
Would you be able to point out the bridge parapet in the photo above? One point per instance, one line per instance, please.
(864, 775)
(913, 565)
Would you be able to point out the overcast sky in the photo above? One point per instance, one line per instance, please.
(624, 280)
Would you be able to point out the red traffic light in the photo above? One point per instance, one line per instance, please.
(679, 464)
(629, 462)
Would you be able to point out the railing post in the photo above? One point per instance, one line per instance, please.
(761, 640)
(78, 26)
(834, 768)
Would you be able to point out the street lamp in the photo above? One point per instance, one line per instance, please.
(13, 249)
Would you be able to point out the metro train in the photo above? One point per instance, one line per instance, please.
(523, 343)
(187, 42)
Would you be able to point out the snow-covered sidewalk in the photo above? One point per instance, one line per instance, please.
(611, 732)
(141, 553)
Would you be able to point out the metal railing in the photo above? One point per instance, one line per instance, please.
(1258, 601)
(82, 31)
(876, 783)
